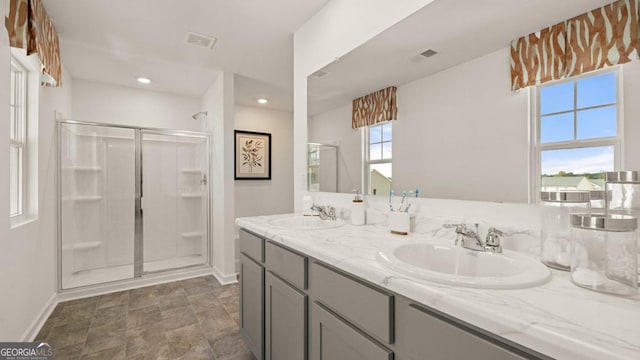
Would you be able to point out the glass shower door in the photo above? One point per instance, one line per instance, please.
(96, 204)
(174, 200)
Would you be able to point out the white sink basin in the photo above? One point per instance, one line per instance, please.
(454, 265)
(305, 223)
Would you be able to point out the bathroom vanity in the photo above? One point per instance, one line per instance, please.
(323, 295)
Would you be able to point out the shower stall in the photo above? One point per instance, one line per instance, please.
(131, 202)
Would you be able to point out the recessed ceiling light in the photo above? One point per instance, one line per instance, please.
(263, 101)
(144, 80)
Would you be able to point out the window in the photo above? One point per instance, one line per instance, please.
(577, 134)
(18, 139)
(378, 165)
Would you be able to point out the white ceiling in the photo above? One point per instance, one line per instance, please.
(118, 40)
(459, 30)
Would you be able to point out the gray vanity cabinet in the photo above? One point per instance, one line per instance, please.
(285, 319)
(294, 307)
(252, 292)
(423, 334)
(334, 339)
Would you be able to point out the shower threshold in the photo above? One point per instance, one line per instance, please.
(125, 272)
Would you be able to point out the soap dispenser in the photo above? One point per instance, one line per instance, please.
(357, 210)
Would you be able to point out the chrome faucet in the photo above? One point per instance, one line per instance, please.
(470, 239)
(326, 212)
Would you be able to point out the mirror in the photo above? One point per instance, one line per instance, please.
(322, 160)
(461, 133)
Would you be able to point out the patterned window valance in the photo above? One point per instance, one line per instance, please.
(30, 28)
(375, 108)
(603, 37)
(539, 57)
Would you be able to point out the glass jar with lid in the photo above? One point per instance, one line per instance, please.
(623, 189)
(557, 206)
(604, 253)
(623, 194)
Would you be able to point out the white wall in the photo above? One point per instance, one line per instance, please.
(462, 134)
(335, 126)
(631, 92)
(113, 104)
(27, 259)
(266, 197)
(218, 101)
(339, 27)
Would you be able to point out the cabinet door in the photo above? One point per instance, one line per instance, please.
(252, 305)
(421, 335)
(333, 339)
(286, 321)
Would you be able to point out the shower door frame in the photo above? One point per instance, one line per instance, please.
(138, 240)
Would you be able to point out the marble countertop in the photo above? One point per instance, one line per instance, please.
(557, 319)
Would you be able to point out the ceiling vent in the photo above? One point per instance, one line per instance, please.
(200, 40)
(428, 53)
(320, 74)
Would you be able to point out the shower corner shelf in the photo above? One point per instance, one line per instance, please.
(89, 198)
(191, 171)
(191, 235)
(85, 168)
(192, 195)
(87, 245)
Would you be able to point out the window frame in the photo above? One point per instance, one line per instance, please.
(367, 156)
(18, 138)
(536, 147)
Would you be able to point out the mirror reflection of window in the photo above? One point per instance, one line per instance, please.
(313, 161)
(379, 155)
(322, 167)
(577, 132)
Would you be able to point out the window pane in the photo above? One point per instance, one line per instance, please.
(15, 180)
(386, 150)
(597, 123)
(386, 132)
(556, 98)
(380, 179)
(575, 164)
(375, 152)
(375, 134)
(555, 128)
(597, 90)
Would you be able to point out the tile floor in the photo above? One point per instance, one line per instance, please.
(189, 319)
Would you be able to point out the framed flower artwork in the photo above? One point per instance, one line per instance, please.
(252, 155)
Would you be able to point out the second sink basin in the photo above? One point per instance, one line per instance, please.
(458, 266)
(299, 222)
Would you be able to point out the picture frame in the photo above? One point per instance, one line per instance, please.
(252, 155)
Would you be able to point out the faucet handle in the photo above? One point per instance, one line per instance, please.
(332, 213)
(492, 242)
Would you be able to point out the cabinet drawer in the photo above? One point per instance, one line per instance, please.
(421, 334)
(286, 264)
(251, 245)
(333, 339)
(369, 308)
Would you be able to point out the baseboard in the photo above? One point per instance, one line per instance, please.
(42, 317)
(224, 279)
